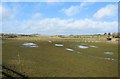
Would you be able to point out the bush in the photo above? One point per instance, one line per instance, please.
(109, 39)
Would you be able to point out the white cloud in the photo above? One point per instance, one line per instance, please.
(107, 11)
(50, 25)
(72, 10)
(10, 13)
(36, 15)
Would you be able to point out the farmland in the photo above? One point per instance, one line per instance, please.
(48, 60)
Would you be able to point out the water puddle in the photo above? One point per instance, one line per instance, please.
(83, 47)
(109, 59)
(77, 52)
(30, 45)
(69, 49)
(50, 41)
(94, 46)
(59, 45)
(110, 53)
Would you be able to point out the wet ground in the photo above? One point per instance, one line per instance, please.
(53, 58)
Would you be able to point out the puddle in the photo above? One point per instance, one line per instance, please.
(110, 53)
(83, 47)
(30, 45)
(109, 59)
(94, 46)
(69, 49)
(77, 52)
(59, 45)
(50, 41)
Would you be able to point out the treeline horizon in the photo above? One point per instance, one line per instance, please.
(11, 35)
(106, 33)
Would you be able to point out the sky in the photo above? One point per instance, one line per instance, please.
(63, 18)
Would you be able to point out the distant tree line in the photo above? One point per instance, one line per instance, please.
(109, 35)
(13, 35)
(8, 35)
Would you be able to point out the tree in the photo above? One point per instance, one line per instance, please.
(109, 34)
(105, 33)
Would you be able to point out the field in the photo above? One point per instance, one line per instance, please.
(48, 60)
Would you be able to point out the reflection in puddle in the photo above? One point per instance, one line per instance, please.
(77, 52)
(83, 47)
(59, 45)
(30, 45)
(69, 49)
(50, 41)
(94, 46)
(110, 53)
(109, 59)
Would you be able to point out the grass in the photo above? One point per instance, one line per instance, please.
(50, 61)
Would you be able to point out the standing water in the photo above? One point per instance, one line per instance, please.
(59, 45)
(110, 53)
(30, 45)
(83, 47)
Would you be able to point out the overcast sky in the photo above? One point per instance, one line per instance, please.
(52, 18)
